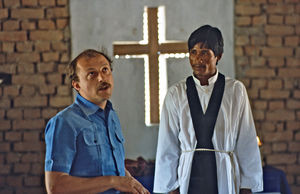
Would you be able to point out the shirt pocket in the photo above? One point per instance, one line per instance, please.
(119, 151)
(119, 136)
(90, 138)
(87, 161)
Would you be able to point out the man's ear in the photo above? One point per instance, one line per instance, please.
(219, 57)
(76, 85)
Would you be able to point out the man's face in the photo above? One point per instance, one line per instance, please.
(95, 79)
(203, 61)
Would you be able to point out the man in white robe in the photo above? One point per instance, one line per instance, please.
(238, 161)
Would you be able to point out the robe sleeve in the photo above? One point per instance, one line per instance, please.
(247, 150)
(168, 150)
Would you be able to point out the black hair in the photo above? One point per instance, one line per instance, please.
(211, 37)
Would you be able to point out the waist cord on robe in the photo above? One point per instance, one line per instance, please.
(230, 153)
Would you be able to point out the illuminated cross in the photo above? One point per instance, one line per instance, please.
(153, 49)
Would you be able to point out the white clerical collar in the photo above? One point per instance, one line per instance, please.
(211, 80)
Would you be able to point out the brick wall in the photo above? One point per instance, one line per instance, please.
(35, 48)
(267, 57)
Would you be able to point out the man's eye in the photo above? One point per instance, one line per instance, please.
(205, 52)
(92, 74)
(193, 52)
(105, 70)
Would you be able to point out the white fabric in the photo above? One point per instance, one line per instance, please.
(234, 131)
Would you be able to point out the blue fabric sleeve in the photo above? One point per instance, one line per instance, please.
(60, 140)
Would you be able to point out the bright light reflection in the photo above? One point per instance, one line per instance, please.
(145, 27)
(147, 91)
(161, 24)
(163, 81)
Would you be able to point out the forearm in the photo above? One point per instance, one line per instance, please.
(176, 191)
(245, 191)
(57, 182)
(127, 173)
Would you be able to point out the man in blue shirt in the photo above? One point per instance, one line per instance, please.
(84, 142)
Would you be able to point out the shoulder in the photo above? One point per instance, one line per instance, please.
(176, 95)
(235, 87)
(71, 111)
(177, 89)
(67, 117)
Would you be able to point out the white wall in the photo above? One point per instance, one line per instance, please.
(98, 23)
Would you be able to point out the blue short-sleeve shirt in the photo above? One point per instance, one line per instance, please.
(84, 140)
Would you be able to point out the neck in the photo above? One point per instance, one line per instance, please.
(204, 79)
(102, 104)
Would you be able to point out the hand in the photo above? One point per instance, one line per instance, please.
(129, 185)
(245, 191)
(176, 191)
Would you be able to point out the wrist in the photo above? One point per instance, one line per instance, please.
(112, 181)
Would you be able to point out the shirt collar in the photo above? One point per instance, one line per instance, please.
(88, 107)
(211, 80)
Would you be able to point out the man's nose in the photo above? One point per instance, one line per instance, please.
(100, 77)
(202, 57)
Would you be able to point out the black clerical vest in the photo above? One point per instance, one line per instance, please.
(203, 178)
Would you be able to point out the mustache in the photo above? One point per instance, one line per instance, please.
(199, 65)
(103, 85)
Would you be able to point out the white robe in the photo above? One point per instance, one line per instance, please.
(234, 131)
